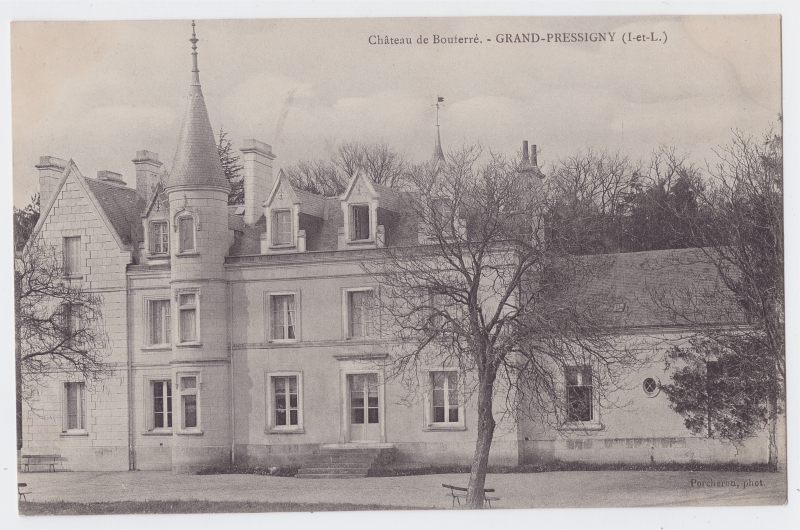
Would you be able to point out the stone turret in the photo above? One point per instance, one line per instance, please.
(199, 241)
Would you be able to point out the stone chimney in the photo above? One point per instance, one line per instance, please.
(525, 158)
(110, 176)
(529, 166)
(258, 179)
(50, 170)
(148, 172)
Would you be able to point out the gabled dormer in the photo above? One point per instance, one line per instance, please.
(156, 227)
(370, 212)
(293, 218)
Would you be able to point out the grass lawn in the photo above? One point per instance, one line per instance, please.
(131, 507)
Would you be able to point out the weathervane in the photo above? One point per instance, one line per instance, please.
(439, 103)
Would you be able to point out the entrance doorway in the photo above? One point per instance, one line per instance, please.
(364, 421)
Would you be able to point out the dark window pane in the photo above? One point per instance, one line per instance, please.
(190, 411)
(373, 401)
(293, 401)
(453, 416)
(280, 401)
(280, 417)
(373, 415)
(293, 417)
(357, 416)
(438, 414)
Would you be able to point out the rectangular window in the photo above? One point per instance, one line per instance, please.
(579, 393)
(445, 397)
(364, 404)
(162, 404)
(159, 238)
(282, 317)
(159, 322)
(72, 256)
(285, 401)
(282, 227)
(361, 314)
(189, 404)
(359, 222)
(71, 325)
(187, 311)
(186, 233)
(74, 407)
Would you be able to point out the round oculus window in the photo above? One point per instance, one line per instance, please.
(650, 386)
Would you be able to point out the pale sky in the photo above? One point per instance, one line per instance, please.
(97, 92)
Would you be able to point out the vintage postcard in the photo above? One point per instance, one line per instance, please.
(311, 265)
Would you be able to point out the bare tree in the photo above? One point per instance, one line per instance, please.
(740, 318)
(58, 323)
(492, 295)
(382, 164)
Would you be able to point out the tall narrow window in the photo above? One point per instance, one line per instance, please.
(285, 401)
(189, 405)
(186, 233)
(359, 222)
(72, 256)
(162, 404)
(74, 409)
(282, 227)
(283, 317)
(159, 322)
(159, 238)
(579, 393)
(187, 309)
(70, 315)
(445, 397)
(361, 314)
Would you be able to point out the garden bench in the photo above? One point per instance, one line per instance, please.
(457, 493)
(22, 494)
(50, 460)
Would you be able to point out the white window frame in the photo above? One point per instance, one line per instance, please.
(268, 296)
(180, 392)
(149, 399)
(593, 424)
(148, 332)
(346, 292)
(68, 258)
(352, 222)
(80, 413)
(177, 320)
(429, 423)
(179, 230)
(275, 227)
(271, 427)
(154, 242)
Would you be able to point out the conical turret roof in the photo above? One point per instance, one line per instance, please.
(196, 159)
(438, 154)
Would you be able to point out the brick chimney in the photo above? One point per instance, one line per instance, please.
(258, 179)
(50, 170)
(148, 172)
(110, 176)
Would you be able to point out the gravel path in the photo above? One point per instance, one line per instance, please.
(574, 489)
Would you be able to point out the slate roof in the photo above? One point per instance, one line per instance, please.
(122, 206)
(196, 158)
(631, 284)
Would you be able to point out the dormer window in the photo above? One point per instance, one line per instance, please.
(359, 222)
(282, 227)
(186, 234)
(159, 238)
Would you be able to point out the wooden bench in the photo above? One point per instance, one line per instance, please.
(22, 494)
(458, 493)
(51, 460)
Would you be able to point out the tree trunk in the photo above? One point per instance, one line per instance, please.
(773, 431)
(480, 461)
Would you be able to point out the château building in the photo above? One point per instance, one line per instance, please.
(245, 333)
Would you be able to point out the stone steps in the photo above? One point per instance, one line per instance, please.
(345, 461)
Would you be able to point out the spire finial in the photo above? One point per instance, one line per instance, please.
(438, 154)
(195, 70)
